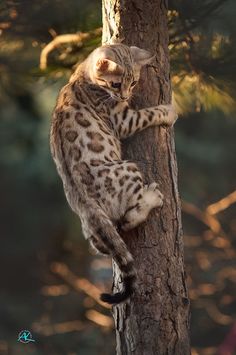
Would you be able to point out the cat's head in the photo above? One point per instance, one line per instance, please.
(116, 68)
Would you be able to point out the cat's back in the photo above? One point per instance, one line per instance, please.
(81, 130)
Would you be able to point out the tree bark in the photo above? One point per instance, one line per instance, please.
(156, 320)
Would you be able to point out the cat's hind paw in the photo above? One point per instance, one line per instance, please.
(153, 196)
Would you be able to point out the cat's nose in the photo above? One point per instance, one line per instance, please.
(124, 98)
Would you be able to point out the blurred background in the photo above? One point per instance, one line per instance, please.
(49, 282)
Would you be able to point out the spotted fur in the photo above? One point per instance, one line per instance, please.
(90, 119)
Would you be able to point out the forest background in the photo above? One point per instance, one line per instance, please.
(49, 280)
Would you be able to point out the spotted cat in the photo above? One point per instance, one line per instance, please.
(91, 116)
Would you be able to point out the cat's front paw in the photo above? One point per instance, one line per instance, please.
(169, 114)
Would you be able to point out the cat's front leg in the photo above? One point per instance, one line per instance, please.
(127, 121)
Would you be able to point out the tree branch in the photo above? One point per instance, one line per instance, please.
(222, 204)
(78, 284)
(203, 216)
(77, 38)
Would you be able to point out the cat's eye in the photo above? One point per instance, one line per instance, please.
(115, 85)
(134, 83)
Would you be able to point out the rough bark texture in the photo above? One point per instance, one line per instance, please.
(156, 320)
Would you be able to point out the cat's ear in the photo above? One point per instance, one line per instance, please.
(106, 66)
(141, 56)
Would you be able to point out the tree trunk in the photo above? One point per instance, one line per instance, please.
(156, 320)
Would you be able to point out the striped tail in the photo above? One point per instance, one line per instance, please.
(120, 254)
(106, 233)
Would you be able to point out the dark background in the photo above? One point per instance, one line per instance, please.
(47, 275)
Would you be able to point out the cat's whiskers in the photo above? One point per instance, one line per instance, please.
(106, 101)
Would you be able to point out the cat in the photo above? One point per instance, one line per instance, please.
(91, 116)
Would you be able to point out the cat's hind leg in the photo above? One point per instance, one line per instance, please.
(140, 206)
(123, 195)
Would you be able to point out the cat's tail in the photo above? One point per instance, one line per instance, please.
(102, 231)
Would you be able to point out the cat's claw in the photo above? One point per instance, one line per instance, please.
(170, 114)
